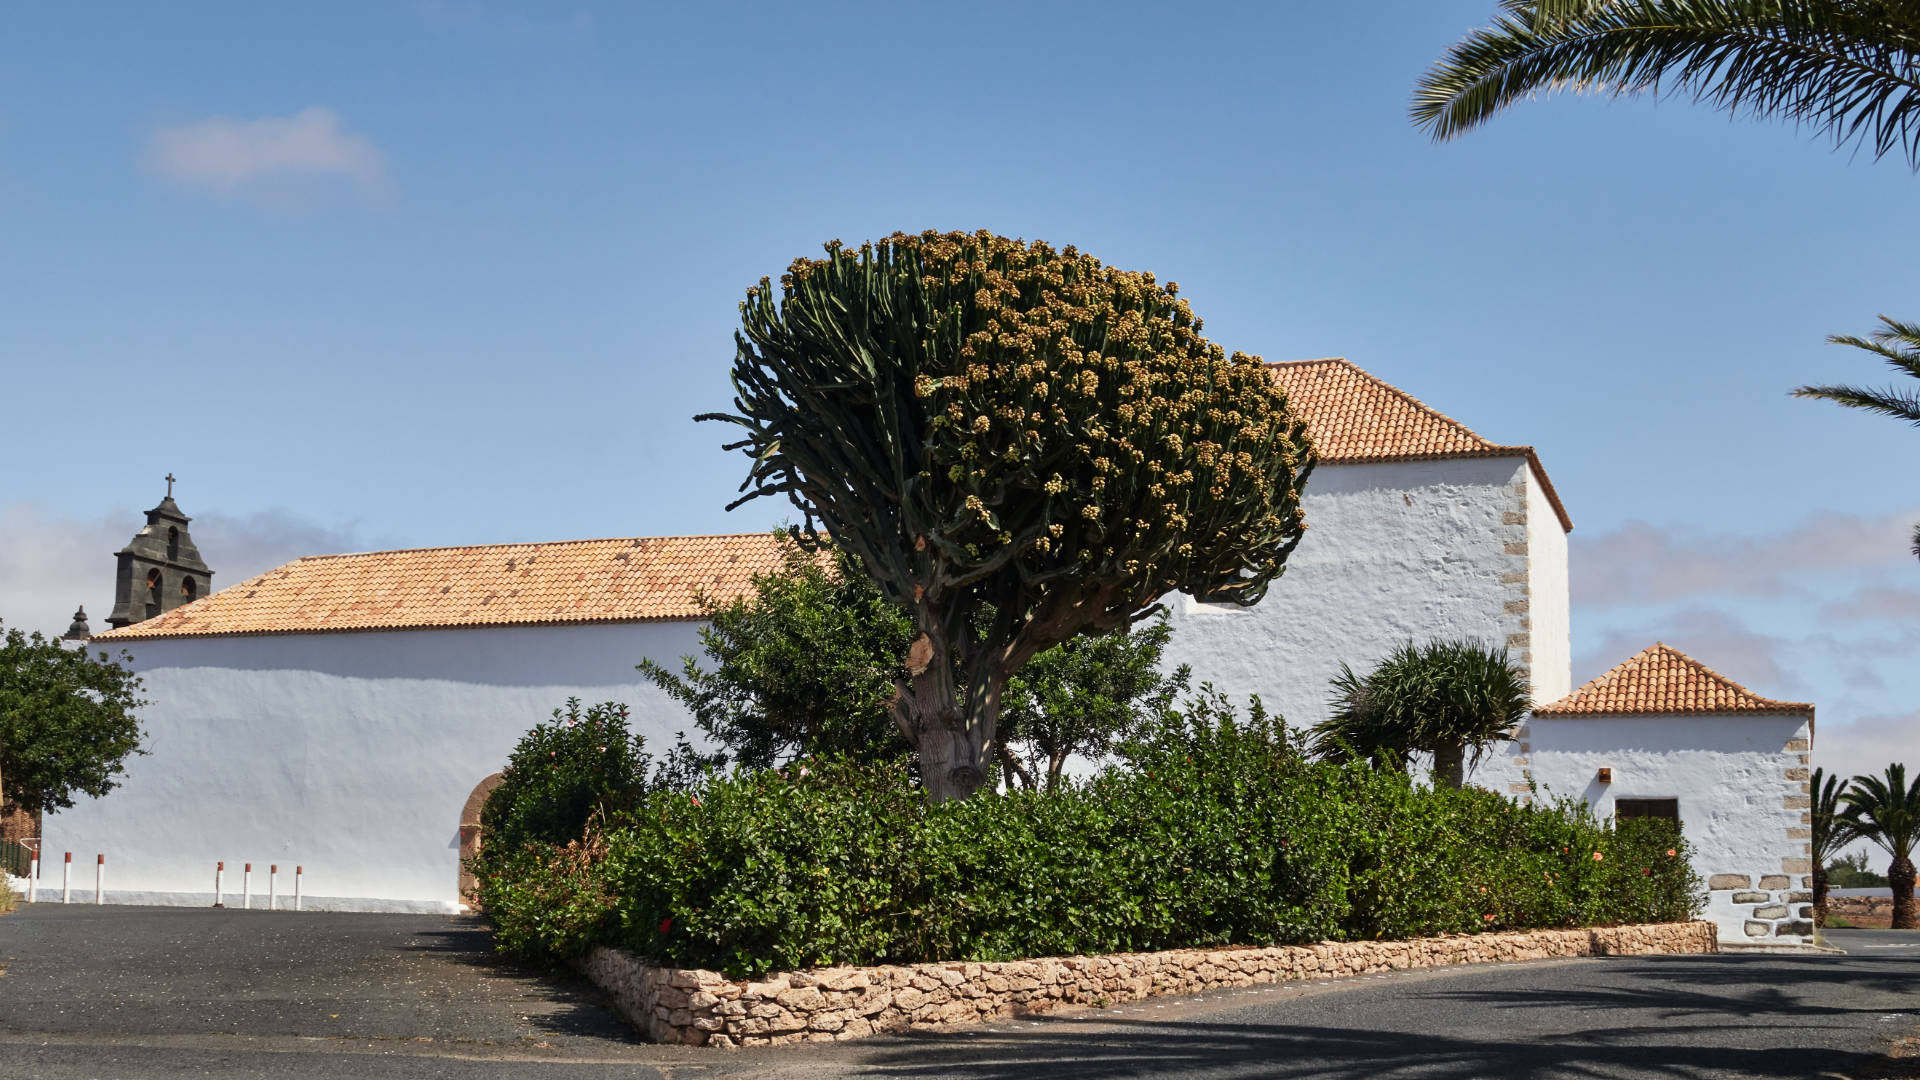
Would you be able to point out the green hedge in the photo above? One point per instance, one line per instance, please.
(1217, 831)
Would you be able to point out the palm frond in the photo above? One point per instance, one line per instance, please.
(1886, 811)
(1898, 343)
(1844, 67)
(1831, 828)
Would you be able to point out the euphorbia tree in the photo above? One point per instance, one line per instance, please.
(1020, 444)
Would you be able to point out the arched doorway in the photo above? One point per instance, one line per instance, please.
(470, 833)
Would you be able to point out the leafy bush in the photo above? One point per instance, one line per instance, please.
(1852, 872)
(562, 774)
(1215, 829)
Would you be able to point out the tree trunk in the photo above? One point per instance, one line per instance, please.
(954, 737)
(1819, 893)
(1449, 760)
(1900, 877)
(1017, 773)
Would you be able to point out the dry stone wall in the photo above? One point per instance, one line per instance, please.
(705, 1008)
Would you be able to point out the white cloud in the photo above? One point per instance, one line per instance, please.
(281, 161)
(50, 563)
(1640, 563)
(1761, 662)
(1868, 744)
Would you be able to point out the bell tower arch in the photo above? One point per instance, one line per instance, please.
(160, 569)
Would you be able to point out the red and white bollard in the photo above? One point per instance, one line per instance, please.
(273, 886)
(246, 887)
(219, 882)
(297, 872)
(99, 879)
(66, 880)
(33, 876)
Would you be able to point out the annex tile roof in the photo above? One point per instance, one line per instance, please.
(1662, 680)
(1355, 417)
(573, 581)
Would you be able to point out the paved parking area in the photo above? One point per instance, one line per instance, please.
(116, 992)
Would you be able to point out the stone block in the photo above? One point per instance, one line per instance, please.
(802, 999)
(1796, 802)
(1752, 897)
(1796, 773)
(827, 1022)
(722, 1041)
(1796, 745)
(1799, 832)
(1771, 911)
(1797, 866)
(1775, 881)
(771, 988)
(1759, 929)
(1799, 897)
(1798, 926)
(1730, 881)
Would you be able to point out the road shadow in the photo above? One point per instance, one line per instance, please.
(575, 1007)
(1156, 1048)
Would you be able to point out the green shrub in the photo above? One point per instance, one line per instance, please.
(1215, 830)
(563, 773)
(547, 901)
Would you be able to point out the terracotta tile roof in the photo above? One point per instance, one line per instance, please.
(1354, 417)
(573, 581)
(1663, 680)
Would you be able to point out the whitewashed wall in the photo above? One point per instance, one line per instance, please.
(1394, 552)
(1550, 630)
(351, 754)
(1741, 784)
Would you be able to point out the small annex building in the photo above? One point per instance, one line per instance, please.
(347, 713)
(1662, 735)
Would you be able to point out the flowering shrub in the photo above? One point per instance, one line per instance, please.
(1214, 830)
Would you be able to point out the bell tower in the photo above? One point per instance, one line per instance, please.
(160, 569)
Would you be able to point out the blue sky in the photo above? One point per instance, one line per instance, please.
(411, 274)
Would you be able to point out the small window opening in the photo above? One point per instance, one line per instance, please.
(153, 593)
(173, 544)
(1624, 809)
(188, 590)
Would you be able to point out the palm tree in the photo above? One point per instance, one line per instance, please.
(1899, 344)
(1849, 68)
(1887, 812)
(1831, 832)
(1843, 67)
(1444, 698)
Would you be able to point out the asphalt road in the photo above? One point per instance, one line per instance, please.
(116, 992)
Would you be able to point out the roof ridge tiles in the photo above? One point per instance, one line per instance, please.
(524, 543)
(1662, 680)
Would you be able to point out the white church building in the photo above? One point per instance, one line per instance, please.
(344, 714)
